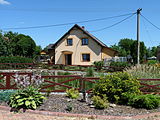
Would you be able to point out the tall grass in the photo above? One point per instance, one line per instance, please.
(147, 72)
(144, 71)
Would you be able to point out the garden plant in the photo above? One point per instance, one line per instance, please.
(28, 96)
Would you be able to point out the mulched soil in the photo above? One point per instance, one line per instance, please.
(60, 103)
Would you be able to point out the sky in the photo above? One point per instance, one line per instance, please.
(30, 13)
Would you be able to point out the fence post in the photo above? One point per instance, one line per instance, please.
(8, 77)
(84, 99)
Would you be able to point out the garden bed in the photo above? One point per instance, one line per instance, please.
(60, 103)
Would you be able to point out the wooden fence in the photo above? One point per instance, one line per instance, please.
(59, 83)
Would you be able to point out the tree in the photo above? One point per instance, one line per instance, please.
(126, 44)
(25, 45)
(121, 52)
(129, 47)
(143, 51)
(14, 44)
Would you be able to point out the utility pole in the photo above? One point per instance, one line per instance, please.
(138, 23)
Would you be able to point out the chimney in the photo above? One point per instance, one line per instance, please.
(83, 27)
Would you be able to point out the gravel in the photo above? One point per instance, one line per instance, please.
(60, 103)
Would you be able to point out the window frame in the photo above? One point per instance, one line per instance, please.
(69, 42)
(85, 42)
(86, 57)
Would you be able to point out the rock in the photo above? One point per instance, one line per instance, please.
(90, 103)
(92, 106)
(69, 100)
(112, 105)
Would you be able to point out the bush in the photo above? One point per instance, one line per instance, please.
(72, 93)
(147, 101)
(98, 64)
(5, 95)
(100, 103)
(15, 59)
(27, 98)
(90, 72)
(118, 66)
(152, 62)
(114, 86)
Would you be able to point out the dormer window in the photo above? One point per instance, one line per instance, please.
(84, 41)
(69, 42)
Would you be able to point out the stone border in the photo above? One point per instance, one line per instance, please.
(104, 117)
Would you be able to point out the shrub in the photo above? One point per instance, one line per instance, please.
(100, 103)
(115, 85)
(98, 64)
(118, 66)
(27, 98)
(152, 62)
(72, 93)
(90, 72)
(5, 95)
(15, 59)
(147, 101)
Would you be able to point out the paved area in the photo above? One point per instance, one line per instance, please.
(5, 115)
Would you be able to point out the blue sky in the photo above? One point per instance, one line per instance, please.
(26, 13)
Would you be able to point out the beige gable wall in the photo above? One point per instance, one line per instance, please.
(107, 53)
(93, 49)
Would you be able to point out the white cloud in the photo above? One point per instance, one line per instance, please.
(4, 2)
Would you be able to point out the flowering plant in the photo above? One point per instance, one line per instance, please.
(24, 81)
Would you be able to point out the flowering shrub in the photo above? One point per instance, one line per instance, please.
(23, 81)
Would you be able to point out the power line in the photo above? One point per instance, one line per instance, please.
(54, 25)
(113, 24)
(150, 22)
(147, 31)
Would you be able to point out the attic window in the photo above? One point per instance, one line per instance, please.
(84, 41)
(69, 42)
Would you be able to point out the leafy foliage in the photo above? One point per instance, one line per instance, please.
(100, 103)
(14, 44)
(147, 101)
(98, 64)
(128, 47)
(115, 85)
(15, 59)
(118, 66)
(90, 72)
(28, 98)
(72, 93)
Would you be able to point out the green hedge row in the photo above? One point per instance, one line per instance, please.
(15, 59)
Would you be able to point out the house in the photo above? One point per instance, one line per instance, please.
(79, 47)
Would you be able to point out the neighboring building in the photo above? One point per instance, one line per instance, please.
(79, 47)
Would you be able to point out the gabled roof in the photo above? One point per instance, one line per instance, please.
(50, 46)
(87, 33)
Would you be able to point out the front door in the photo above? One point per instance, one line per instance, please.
(68, 59)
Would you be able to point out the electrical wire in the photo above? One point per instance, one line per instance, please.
(150, 22)
(147, 31)
(113, 24)
(63, 24)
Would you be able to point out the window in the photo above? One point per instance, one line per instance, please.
(84, 41)
(86, 57)
(69, 42)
